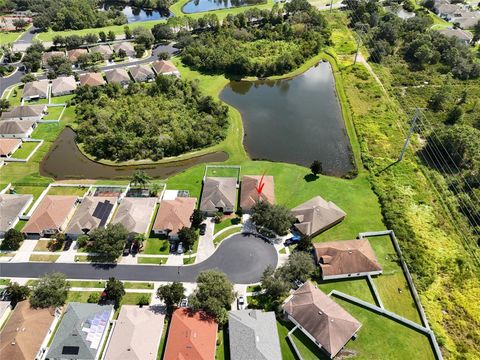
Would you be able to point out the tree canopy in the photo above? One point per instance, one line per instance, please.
(50, 290)
(13, 239)
(276, 218)
(171, 294)
(109, 242)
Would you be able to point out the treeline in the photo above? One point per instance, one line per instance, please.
(166, 118)
(258, 42)
(388, 35)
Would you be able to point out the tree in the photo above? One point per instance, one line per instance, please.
(162, 32)
(51, 290)
(93, 298)
(58, 40)
(91, 38)
(28, 78)
(316, 167)
(141, 178)
(300, 266)
(139, 50)
(276, 218)
(171, 294)
(128, 33)
(197, 218)
(115, 291)
(17, 292)
(155, 189)
(163, 55)
(13, 239)
(111, 36)
(82, 241)
(455, 115)
(122, 54)
(4, 105)
(214, 295)
(187, 236)
(109, 242)
(73, 41)
(276, 288)
(20, 24)
(439, 99)
(102, 36)
(143, 36)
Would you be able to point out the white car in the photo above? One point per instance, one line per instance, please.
(241, 303)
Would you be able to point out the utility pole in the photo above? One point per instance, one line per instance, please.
(331, 5)
(412, 126)
(359, 41)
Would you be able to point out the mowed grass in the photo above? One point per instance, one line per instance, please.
(355, 287)
(87, 284)
(53, 113)
(42, 245)
(151, 260)
(156, 246)
(60, 100)
(225, 234)
(25, 150)
(80, 296)
(7, 37)
(226, 223)
(15, 96)
(67, 190)
(44, 258)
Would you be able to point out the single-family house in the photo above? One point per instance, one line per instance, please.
(92, 213)
(135, 214)
(459, 34)
(219, 194)
(104, 50)
(11, 207)
(35, 90)
(126, 46)
(92, 79)
(17, 128)
(46, 56)
(192, 335)
(253, 334)
(320, 318)
(63, 85)
(25, 112)
(50, 216)
(317, 215)
(136, 334)
(118, 76)
(173, 215)
(25, 332)
(256, 188)
(466, 19)
(81, 332)
(74, 54)
(142, 73)
(165, 67)
(9, 146)
(347, 258)
(5, 310)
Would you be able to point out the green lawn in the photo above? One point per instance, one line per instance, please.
(20, 225)
(150, 260)
(253, 288)
(15, 97)
(53, 113)
(187, 260)
(42, 245)
(132, 298)
(283, 251)
(25, 150)
(226, 223)
(80, 296)
(87, 284)
(36, 102)
(138, 285)
(358, 288)
(60, 100)
(163, 339)
(9, 37)
(156, 246)
(68, 190)
(4, 282)
(223, 172)
(81, 258)
(225, 234)
(44, 258)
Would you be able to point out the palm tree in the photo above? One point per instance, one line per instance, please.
(141, 178)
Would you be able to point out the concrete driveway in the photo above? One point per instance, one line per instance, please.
(243, 258)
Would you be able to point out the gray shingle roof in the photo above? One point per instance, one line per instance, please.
(24, 111)
(11, 206)
(92, 213)
(80, 333)
(219, 192)
(8, 127)
(253, 335)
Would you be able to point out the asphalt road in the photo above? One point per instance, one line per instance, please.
(243, 258)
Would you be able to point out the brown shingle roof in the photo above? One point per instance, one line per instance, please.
(48, 55)
(11, 206)
(24, 332)
(125, 46)
(117, 76)
(50, 214)
(191, 337)
(321, 317)
(135, 214)
(8, 145)
(174, 214)
(346, 257)
(164, 67)
(102, 49)
(75, 53)
(92, 79)
(249, 194)
(140, 72)
(10, 127)
(92, 213)
(63, 84)
(36, 88)
(218, 192)
(317, 215)
(24, 111)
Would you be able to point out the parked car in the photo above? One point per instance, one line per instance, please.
(173, 247)
(183, 303)
(4, 295)
(203, 228)
(288, 242)
(180, 248)
(127, 248)
(241, 303)
(297, 283)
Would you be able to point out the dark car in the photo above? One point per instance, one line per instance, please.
(173, 247)
(127, 248)
(203, 228)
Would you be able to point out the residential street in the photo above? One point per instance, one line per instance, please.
(242, 258)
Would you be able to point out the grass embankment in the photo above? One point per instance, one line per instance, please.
(225, 234)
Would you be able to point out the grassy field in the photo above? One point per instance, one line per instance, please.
(53, 113)
(61, 99)
(25, 150)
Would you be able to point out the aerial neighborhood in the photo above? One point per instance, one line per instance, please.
(244, 180)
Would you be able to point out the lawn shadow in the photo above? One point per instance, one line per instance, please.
(310, 177)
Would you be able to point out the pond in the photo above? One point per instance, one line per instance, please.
(135, 14)
(196, 6)
(295, 120)
(66, 161)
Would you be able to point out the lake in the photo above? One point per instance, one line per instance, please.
(295, 120)
(134, 14)
(196, 6)
(66, 161)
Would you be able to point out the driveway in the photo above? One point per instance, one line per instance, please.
(243, 258)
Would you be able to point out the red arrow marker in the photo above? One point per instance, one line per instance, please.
(260, 185)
